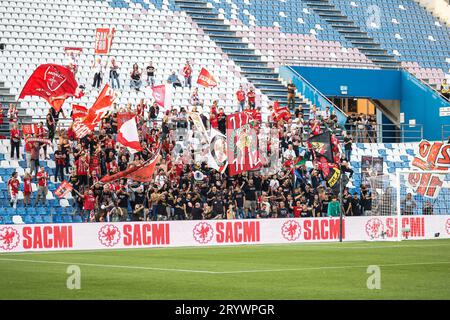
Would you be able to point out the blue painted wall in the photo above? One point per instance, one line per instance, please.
(417, 101)
(421, 103)
(361, 83)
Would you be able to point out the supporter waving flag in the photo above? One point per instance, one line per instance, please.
(128, 136)
(162, 95)
(52, 82)
(101, 106)
(280, 113)
(320, 146)
(206, 79)
(140, 173)
(79, 111)
(63, 189)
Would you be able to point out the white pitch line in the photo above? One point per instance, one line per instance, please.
(333, 267)
(222, 272)
(105, 265)
(289, 246)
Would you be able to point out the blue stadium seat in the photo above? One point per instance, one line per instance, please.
(77, 219)
(38, 219)
(7, 220)
(67, 219)
(57, 219)
(27, 219)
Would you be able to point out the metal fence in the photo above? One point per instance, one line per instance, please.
(385, 133)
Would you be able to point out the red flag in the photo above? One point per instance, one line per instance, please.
(79, 111)
(123, 117)
(144, 174)
(100, 107)
(63, 189)
(280, 113)
(206, 79)
(242, 141)
(159, 94)
(103, 40)
(29, 128)
(254, 114)
(128, 135)
(51, 82)
(136, 173)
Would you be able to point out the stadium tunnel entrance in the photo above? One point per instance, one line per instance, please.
(386, 105)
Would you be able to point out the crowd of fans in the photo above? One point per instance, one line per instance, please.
(176, 192)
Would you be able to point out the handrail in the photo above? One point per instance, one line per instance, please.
(381, 133)
(320, 93)
(426, 84)
(330, 64)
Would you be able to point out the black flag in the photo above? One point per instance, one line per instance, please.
(321, 146)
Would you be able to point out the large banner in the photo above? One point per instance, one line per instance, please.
(29, 128)
(429, 156)
(242, 144)
(103, 40)
(371, 167)
(217, 155)
(90, 236)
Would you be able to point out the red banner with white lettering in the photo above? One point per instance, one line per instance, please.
(79, 111)
(52, 82)
(242, 144)
(29, 128)
(429, 156)
(206, 79)
(63, 189)
(103, 40)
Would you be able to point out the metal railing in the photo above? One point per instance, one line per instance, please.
(329, 64)
(317, 98)
(385, 133)
(436, 91)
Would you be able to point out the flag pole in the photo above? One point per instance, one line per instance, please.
(341, 208)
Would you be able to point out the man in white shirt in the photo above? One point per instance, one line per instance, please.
(289, 153)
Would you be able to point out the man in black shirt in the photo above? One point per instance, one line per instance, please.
(154, 110)
(345, 167)
(348, 141)
(291, 95)
(282, 210)
(366, 199)
(197, 212)
(122, 198)
(238, 197)
(250, 199)
(356, 207)
(218, 208)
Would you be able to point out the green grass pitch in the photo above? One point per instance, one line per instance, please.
(409, 270)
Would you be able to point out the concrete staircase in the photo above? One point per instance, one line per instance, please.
(252, 67)
(359, 38)
(5, 99)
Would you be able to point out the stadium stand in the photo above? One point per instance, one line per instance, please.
(241, 42)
